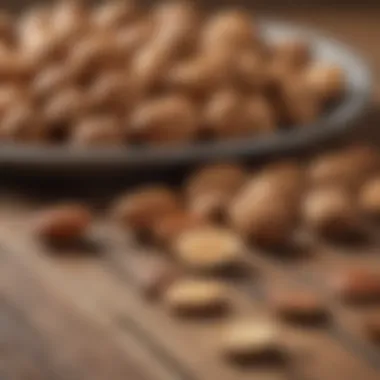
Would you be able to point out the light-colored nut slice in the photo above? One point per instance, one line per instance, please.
(331, 211)
(209, 248)
(369, 198)
(251, 340)
(197, 297)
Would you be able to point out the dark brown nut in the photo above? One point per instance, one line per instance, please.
(23, 122)
(259, 115)
(66, 222)
(251, 340)
(208, 248)
(114, 14)
(372, 328)
(176, 26)
(227, 177)
(49, 81)
(167, 120)
(357, 285)
(369, 198)
(327, 81)
(348, 167)
(141, 209)
(98, 131)
(113, 90)
(232, 29)
(197, 297)
(299, 105)
(252, 70)
(66, 106)
(152, 274)
(169, 227)
(294, 53)
(331, 211)
(261, 212)
(211, 206)
(299, 305)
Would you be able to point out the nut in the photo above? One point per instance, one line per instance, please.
(66, 222)
(141, 209)
(169, 227)
(197, 297)
(348, 167)
(294, 53)
(372, 328)
(357, 285)
(369, 198)
(251, 340)
(227, 177)
(98, 131)
(23, 122)
(330, 211)
(208, 248)
(261, 212)
(232, 29)
(169, 120)
(326, 81)
(114, 14)
(298, 305)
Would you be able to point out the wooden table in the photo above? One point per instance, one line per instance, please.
(79, 317)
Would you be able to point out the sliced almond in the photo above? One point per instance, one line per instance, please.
(209, 248)
(251, 340)
(197, 297)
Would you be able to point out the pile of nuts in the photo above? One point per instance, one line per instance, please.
(116, 75)
(221, 210)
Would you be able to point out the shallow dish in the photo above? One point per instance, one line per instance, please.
(334, 123)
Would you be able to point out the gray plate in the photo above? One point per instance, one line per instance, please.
(336, 122)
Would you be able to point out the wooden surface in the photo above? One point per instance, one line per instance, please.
(78, 315)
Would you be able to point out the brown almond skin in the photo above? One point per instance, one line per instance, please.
(67, 222)
(372, 328)
(331, 212)
(98, 131)
(348, 167)
(168, 120)
(326, 81)
(298, 305)
(167, 229)
(260, 212)
(228, 177)
(357, 285)
(233, 29)
(369, 198)
(23, 122)
(294, 53)
(141, 209)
